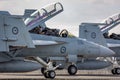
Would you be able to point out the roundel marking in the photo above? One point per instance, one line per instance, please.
(93, 35)
(15, 30)
(63, 49)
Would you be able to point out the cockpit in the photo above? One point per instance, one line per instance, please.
(42, 15)
(36, 25)
(51, 32)
(111, 22)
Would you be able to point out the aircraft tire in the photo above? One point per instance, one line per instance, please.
(117, 71)
(51, 74)
(72, 70)
(113, 71)
(46, 75)
(42, 70)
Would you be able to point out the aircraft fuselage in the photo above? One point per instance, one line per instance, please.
(65, 46)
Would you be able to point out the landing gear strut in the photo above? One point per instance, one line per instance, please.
(72, 69)
(49, 69)
(116, 71)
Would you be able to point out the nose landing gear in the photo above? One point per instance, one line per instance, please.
(48, 69)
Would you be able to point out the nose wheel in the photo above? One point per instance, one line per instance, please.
(50, 74)
(116, 71)
(72, 69)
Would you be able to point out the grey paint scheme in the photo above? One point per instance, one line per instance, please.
(74, 46)
(114, 45)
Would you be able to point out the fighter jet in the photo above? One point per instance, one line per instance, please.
(21, 38)
(113, 40)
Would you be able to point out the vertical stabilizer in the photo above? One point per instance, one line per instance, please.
(92, 32)
(13, 32)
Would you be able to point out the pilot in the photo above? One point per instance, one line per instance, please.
(40, 30)
(57, 32)
(44, 30)
(54, 32)
(37, 29)
(114, 36)
(64, 34)
(49, 32)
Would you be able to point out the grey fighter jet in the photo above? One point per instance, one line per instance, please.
(113, 40)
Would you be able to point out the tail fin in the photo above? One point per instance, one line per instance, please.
(13, 32)
(92, 32)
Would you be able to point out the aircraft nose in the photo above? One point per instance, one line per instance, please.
(106, 52)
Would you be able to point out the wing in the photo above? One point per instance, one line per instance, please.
(49, 40)
(43, 42)
(112, 43)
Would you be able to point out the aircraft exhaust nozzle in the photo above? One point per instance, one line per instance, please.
(106, 52)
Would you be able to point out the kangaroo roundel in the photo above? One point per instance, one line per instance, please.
(15, 30)
(93, 35)
(63, 49)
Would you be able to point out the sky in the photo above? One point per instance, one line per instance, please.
(75, 11)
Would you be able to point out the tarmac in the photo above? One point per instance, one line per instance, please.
(62, 75)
